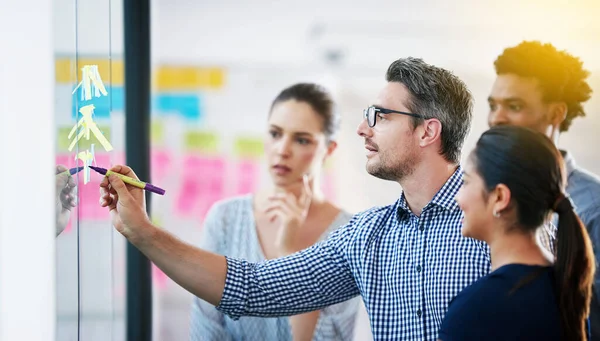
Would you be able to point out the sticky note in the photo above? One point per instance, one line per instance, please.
(187, 106)
(88, 206)
(86, 125)
(247, 175)
(67, 67)
(249, 147)
(63, 140)
(115, 101)
(160, 164)
(157, 132)
(91, 83)
(203, 183)
(189, 78)
(87, 158)
(201, 141)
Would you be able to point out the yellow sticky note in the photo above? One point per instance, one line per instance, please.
(91, 83)
(189, 78)
(202, 141)
(249, 147)
(110, 70)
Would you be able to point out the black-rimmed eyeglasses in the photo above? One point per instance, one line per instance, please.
(372, 111)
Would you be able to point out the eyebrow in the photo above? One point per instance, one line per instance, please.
(296, 133)
(507, 99)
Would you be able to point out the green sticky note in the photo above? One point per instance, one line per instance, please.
(249, 147)
(157, 132)
(83, 143)
(201, 141)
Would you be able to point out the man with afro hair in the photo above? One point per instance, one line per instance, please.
(542, 88)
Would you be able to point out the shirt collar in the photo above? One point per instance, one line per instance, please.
(444, 198)
(569, 162)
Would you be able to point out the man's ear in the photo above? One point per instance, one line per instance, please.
(558, 113)
(431, 131)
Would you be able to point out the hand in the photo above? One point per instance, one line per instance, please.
(291, 213)
(66, 197)
(126, 203)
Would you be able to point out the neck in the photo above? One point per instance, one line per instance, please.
(517, 248)
(425, 181)
(553, 133)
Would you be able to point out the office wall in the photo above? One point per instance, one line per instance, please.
(27, 304)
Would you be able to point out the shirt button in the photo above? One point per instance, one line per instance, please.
(419, 313)
(418, 268)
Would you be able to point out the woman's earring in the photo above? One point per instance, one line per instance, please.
(496, 214)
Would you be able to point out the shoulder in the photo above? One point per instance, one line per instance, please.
(480, 302)
(348, 227)
(584, 189)
(227, 206)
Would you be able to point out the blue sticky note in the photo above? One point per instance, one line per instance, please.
(115, 101)
(186, 105)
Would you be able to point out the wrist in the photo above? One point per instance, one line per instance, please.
(143, 234)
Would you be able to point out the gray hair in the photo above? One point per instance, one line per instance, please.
(436, 93)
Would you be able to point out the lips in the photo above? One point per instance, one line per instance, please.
(370, 148)
(281, 169)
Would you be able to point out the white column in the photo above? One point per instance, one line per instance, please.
(27, 143)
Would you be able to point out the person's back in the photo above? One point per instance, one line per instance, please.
(504, 309)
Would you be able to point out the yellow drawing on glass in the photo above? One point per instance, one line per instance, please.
(90, 80)
(86, 125)
(87, 158)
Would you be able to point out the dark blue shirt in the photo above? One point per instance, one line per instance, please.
(499, 307)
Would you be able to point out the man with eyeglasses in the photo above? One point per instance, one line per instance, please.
(408, 260)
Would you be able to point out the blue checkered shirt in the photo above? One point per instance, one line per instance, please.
(407, 268)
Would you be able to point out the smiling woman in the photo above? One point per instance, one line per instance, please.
(514, 181)
(288, 217)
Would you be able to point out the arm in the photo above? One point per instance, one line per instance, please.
(206, 322)
(290, 212)
(305, 281)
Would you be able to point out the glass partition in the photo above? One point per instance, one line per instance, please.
(89, 132)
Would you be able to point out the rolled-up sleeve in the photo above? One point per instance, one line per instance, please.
(305, 281)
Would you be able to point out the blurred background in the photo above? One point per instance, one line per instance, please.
(216, 67)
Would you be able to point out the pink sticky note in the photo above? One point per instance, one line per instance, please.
(247, 176)
(202, 185)
(67, 161)
(160, 163)
(89, 194)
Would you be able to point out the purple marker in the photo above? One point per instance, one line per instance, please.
(134, 182)
(75, 170)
